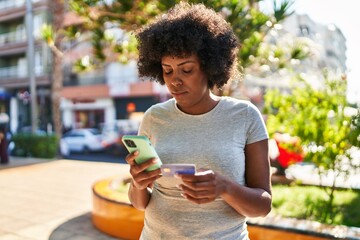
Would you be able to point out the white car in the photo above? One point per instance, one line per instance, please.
(113, 131)
(83, 140)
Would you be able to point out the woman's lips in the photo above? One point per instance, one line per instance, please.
(178, 94)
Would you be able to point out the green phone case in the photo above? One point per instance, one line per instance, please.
(146, 150)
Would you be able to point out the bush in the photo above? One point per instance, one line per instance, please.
(327, 132)
(309, 202)
(33, 145)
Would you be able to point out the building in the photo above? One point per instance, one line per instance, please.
(14, 81)
(91, 99)
(88, 99)
(329, 39)
(105, 94)
(328, 50)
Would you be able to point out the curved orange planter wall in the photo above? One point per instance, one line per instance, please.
(263, 233)
(114, 217)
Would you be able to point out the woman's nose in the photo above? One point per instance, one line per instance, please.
(176, 82)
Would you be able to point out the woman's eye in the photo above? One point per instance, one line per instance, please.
(187, 71)
(167, 72)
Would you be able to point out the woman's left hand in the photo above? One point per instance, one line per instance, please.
(203, 187)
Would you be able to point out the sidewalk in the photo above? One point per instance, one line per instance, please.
(51, 199)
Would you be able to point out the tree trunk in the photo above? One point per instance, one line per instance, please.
(57, 75)
(56, 95)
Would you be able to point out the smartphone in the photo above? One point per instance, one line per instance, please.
(146, 150)
(169, 170)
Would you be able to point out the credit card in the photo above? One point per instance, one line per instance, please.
(169, 170)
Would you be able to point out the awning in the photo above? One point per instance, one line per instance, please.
(85, 92)
(5, 95)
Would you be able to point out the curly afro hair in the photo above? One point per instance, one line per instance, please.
(189, 29)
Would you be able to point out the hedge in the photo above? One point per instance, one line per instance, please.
(33, 145)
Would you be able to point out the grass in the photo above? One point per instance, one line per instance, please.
(308, 202)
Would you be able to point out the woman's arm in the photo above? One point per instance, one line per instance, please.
(252, 200)
(139, 198)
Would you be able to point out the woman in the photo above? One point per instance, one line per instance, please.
(191, 50)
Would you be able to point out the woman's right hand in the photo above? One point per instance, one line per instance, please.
(142, 179)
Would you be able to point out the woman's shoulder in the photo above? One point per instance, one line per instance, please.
(232, 102)
(236, 106)
(159, 108)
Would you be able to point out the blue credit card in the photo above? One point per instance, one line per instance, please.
(169, 170)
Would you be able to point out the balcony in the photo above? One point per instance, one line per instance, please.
(17, 76)
(13, 37)
(13, 72)
(11, 4)
(14, 9)
(19, 71)
(15, 42)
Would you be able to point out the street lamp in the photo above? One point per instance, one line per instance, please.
(30, 64)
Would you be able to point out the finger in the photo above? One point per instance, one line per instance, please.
(144, 175)
(196, 194)
(147, 163)
(140, 171)
(198, 186)
(143, 183)
(204, 193)
(197, 200)
(130, 158)
(207, 175)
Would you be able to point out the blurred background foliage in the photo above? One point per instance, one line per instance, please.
(318, 117)
(98, 16)
(307, 202)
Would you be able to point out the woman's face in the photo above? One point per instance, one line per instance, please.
(187, 83)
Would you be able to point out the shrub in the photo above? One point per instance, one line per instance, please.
(33, 145)
(308, 202)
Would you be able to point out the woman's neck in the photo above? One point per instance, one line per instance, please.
(206, 105)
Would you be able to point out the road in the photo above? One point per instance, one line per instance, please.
(97, 157)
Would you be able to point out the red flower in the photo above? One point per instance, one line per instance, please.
(290, 150)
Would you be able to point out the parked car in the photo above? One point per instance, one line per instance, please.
(28, 130)
(113, 131)
(83, 140)
(64, 148)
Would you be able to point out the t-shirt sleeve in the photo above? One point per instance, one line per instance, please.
(145, 125)
(256, 126)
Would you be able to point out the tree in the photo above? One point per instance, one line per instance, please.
(57, 76)
(249, 24)
(94, 16)
(317, 117)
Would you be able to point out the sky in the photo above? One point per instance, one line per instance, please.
(346, 16)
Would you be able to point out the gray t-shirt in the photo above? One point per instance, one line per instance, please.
(214, 140)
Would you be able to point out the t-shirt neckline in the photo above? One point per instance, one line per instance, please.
(209, 113)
